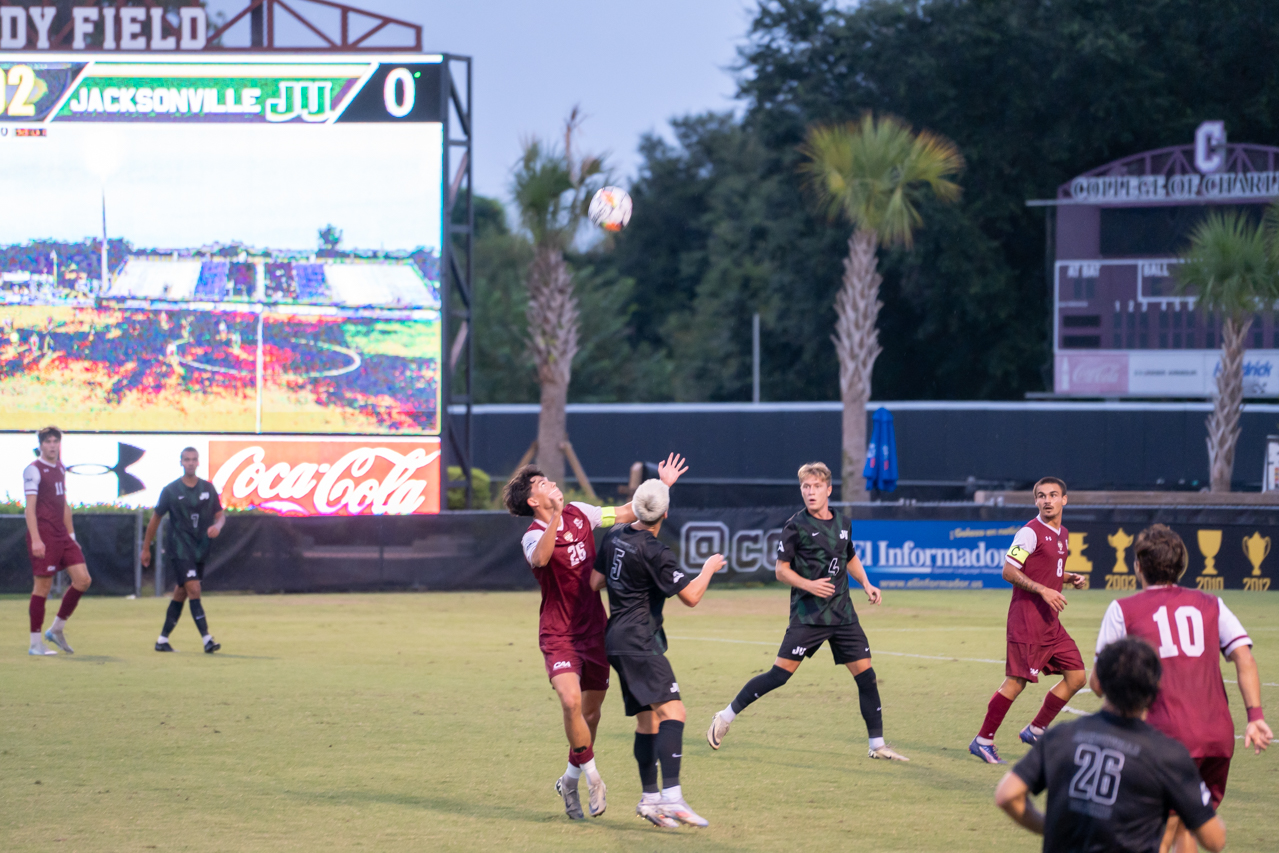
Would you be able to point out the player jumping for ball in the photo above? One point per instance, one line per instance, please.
(815, 558)
(1037, 642)
(1188, 628)
(560, 548)
(195, 520)
(641, 573)
(51, 542)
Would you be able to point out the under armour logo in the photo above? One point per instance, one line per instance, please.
(126, 455)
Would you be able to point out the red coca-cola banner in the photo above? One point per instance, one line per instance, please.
(371, 476)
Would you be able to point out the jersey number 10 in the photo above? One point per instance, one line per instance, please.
(1190, 631)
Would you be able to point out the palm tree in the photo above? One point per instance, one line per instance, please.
(1231, 266)
(552, 190)
(873, 174)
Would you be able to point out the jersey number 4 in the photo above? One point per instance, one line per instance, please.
(1190, 631)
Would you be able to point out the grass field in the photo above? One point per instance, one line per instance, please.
(424, 721)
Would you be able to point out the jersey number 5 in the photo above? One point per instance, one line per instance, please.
(1190, 631)
(615, 571)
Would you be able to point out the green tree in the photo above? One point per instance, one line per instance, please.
(552, 189)
(1231, 267)
(871, 173)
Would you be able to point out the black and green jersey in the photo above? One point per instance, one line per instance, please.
(818, 549)
(191, 511)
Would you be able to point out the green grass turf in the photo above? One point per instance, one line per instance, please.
(424, 721)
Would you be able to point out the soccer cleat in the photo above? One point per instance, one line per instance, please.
(719, 728)
(598, 791)
(986, 752)
(888, 753)
(40, 649)
(652, 812)
(567, 788)
(1027, 736)
(211, 646)
(59, 639)
(164, 647)
(679, 810)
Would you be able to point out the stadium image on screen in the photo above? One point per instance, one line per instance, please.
(222, 246)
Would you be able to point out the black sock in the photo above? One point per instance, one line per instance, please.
(197, 613)
(646, 758)
(171, 618)
(758, 686)
(868, 697)
(670, 748)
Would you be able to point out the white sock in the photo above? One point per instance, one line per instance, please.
(207, 638)
(589, 769)
(876, 742)
(58, 624)
(672, 793)
(1036, 730)
(651, 798)
(162, 639)
(573, 772)
(35, 638)
(728, 713)
(985, 741)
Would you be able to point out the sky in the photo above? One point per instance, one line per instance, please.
(631, 66)
(186, 185)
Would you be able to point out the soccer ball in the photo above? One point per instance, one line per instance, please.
(610, 208)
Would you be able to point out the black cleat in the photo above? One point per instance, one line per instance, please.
(211, 646)
(164, 647)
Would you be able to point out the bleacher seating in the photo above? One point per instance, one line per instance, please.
(211, 284)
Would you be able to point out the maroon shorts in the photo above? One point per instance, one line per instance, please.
(1214, 769)
(58, 554)
(587, 659)
(1030, 660)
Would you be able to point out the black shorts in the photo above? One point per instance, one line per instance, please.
(847, 642)
(187, 570)
(646, 680)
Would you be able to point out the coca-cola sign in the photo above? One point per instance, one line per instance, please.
(317, 477)
(1092, 374)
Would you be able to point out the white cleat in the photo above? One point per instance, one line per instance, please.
(887, 753)
(719, 728)
(60, 640)
(679, 810)
(39, 648)
(567, 789)
(652, 812)
(598, 791)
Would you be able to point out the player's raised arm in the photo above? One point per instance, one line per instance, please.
(668, 472)
(693, 593)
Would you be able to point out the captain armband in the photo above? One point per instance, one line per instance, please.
(608, 516)
(1018, 555)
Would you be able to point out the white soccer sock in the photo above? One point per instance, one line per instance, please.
(876, 742)
(207, 637)
(985, 741)
(672, 793)
(35, 638)
(589, 769)
(728, 713)
(162, 639)
(650, 798)
(58, 624)
(573, 772)
(1036, 730)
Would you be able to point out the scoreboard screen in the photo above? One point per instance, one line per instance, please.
(221, 244)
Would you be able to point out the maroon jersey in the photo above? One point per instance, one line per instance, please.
(570, 610)
(1040, 552)
(49, 484)
(1188, 628)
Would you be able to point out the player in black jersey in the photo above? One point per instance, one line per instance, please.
(816, 558)
(641, 573)
(1111, 778)
(195, 520)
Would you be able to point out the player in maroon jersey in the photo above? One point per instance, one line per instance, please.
(51, 541)
(560, 548)
(1037, 642)
(1183, 625)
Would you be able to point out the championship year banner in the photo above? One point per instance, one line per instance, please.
(299, 476)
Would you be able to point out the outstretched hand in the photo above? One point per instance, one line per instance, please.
(1258, 736)
(669, 471)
